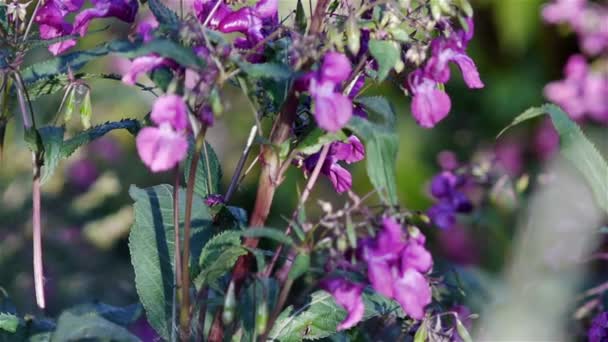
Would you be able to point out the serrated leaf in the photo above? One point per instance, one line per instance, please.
(151, 243)
(52, 141)
(85, 137)
(386, 53)
(208, 177)
(76, 60)
(275, 71)
(314, 140)
(268, 233)
(320, 317)
(381, 145)
(8, 322)
(89, 326)
(575, 147)
(218, 257)
(379, 105)
(163, 14)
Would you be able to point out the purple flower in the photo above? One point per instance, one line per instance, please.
(598, 332)
(396, 266)
(546, 140)
(332, 108)
(561, 11)
(124, 10)
(82, 173)
(214, 199)
(164, 146)
(350, 151)
(51, 18)
(146, 27)
(446, 187)
(347, 295)
(429, 104)
(203, 8)
(142, 65)
(581, 92)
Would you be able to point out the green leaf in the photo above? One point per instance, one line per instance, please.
(95, 132)
(381, 145)
(52, 141)
(421, 333)
(76, 60)
(151, 243)
(301, 21)
(575, 147)
(218, 257)
(89, 326)
(320, 317)
(208, 177)
(380, 106)
(268, 233)
(163, 14)
(314, 140)
(300, 266)
(123, 316)
(86, 111)
(261, 292)
(275, 71)
(386, 53)
(8, 322)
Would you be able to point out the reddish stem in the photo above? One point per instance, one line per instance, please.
(37, 237)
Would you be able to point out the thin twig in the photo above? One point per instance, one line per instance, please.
(177, 255)
(239, 166)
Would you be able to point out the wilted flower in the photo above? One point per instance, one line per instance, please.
(446, 188)
(350, 151)
(164, 146)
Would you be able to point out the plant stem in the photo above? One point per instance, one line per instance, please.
(177, 256)
(239, 166)
(37, 237)
(184, 317)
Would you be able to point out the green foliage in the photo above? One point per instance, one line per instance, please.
(8, 322)
(381, 144)
(261, 292)
(208, 178)
(268, 233)
(387, 53)
(274, 71)
(300, 266)
(152, 244)
(380, 106)
(575, 147)
(301, 21)
(320, 317)
(218, 257)
(52, 142)
(89, 326)
(164, 15)
(314, 140)
(123, 316)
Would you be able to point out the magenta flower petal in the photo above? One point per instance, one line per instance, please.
(267, 8)
(124, 10)
(332, 112)
(469, 71)
(60, 47)
(430, 105)
(350, 151)
(347, 295)
(417, 257)
(170, 109)
(335, 68)
(161, 148)
(563, 11)
(340, 178)
(142, 65)
(413, 293)
(381, 277)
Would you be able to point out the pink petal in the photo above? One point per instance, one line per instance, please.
(142, 65)
(161, 148)
(347, 295)
(340, 178)
(469, 71)
(170, 109)
(417, 257)
(335, 68)
(332, 111)
(430, 106)
(413, 293)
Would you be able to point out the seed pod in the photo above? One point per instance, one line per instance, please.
(261, 317)
(353, 35)
(229, 305)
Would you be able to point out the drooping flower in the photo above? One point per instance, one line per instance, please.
(396, 267)
(164, 146)
(348, 295)
(430, 104)
(51, 18)
(446, 188)
(124, 10)
(581, 92)
(142, 65)
(598, 332)
(350, 151)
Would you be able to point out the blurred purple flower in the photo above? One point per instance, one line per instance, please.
(214, 199)
(348, 295)
(350, 151)
(106, 148)
(82, 173)
(563, 11)
(163, 147)
(145, 28)
(429, 104)
(396, 266)
(546, 140)
(458, 246)
(598, 332)
(510, 155)
(446, 188)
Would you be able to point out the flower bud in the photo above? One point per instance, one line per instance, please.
(261, 317)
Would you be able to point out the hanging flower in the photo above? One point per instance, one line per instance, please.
(348, 295)
(447, 189)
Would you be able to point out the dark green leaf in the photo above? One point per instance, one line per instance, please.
(85, 137)
(379, 105)
(151, 243)
(273, 71)
(208, 174)
(8, 322)
(576, 148)
(381, 145)
(218, 257)
(268, 233)
(300, 266)
(89, 326)
(163, 14)
(52, 141)
(262, 291)
(123, 316)
(386, 53)
(320, 317)
(301, 21)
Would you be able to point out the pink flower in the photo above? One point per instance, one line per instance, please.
(142, 65)
(164, 146)
(347, 295)
(124, 10)
(429, 104)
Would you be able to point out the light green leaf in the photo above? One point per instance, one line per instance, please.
(89, 326)
(575, 147)
(300, 266)
(320, 317)
(86, 111)
(218, 257)
(386, 53)
(52, 141)
(421, 333)
(152, 245)
(314, 140)
(268, 233)
(208, 174)
(8, 322)
(381, 145)
(275, 71)
(379, 105)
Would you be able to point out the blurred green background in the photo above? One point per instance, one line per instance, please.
(86, 226)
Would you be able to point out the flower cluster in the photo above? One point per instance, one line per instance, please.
(350, 151)
(164, 146)
(430, 104)
(52, 18)
(588, 19)
(583, 92)
(332, 108)
(598, 332)
(396, 268)
(446, 187)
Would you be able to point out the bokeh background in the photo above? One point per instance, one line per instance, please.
(87, 211)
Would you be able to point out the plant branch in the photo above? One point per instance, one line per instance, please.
(239, 166)
(177, 255)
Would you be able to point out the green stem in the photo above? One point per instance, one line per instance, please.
(177, 256)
